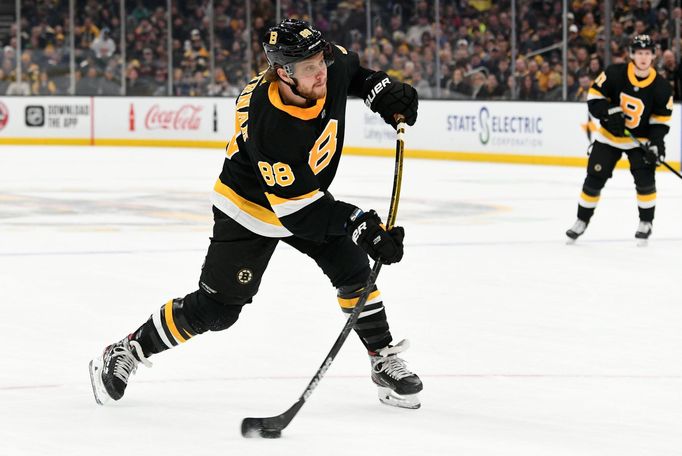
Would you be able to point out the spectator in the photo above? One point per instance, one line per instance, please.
(88, 85)
(594, 68)
(479, 91)
(584, 84)
(457, 86)
(421, 86)
(589, 30)
(554, 89)
(160, 85)
(180, 85)
(510, 92)
(493, 87)
(403, 41)
(528, 89)
(133, 85)
(109, 85)
(4, 83)
(43, 86)
(19, 88)
(198, 85)
(103, 47)
(669, 70)
(572, 86)
(542, 76)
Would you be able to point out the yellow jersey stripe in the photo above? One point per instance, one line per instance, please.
(603, 136)
(171, 324)
(255, 210)
(594, 93)
(590, 199)
(284, 207)
(617, 139)
(276, 200)
(649, 197)
(662, 120)
(350, 303)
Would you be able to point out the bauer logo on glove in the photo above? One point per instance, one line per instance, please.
(375, 91)
(388, 98)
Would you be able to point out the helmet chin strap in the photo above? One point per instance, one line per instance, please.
(297, 93)
(632, 57)
(293, 86)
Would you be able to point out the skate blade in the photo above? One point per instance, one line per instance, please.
(570, 241)
(389, 397)
(98, 390)
(642, 242)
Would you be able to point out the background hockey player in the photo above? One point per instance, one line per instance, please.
(627, 97)
(288, 139)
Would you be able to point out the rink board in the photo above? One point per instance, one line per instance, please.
(552, 133)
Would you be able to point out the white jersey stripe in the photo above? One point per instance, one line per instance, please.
(288, 207)
(246, 220)
(646, 204)
(156, 318)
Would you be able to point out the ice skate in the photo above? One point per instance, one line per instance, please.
(110, 371)
(576, 231)
(397, 385)
(643, 232)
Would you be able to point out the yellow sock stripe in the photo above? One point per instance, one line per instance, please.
(171, 324)
(590, 199)
(644, 198)
(350, 303)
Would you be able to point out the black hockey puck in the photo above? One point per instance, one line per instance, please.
(270, 433)
(262, 433)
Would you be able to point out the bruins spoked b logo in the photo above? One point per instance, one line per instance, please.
(244, 276)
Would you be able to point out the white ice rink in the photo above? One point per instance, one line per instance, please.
(526, 346)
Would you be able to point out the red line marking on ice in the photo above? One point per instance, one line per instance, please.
(453, 376)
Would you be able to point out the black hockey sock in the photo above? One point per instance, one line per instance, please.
(587, 203)
(646, 202)
(585, 214)
(372, 325)
(148, 339)
(647, 215)
(165, 329)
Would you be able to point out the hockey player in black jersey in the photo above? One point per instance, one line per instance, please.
(289, 131)
(627, 98)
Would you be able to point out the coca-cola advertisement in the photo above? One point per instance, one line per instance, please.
(4, 115)
(185, 117)
(201, 122)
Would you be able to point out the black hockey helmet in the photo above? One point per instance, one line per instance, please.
(294, 40)
(642, 42)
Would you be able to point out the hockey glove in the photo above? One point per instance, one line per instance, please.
(366, 231)
(615, 122)
(388, 98)
(654, 152)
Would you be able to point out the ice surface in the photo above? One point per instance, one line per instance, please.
(526, 346)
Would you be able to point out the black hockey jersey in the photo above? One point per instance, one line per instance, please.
(647, 104)
(283, 158)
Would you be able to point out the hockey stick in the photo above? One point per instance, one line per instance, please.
(645, 146)
(272, 427)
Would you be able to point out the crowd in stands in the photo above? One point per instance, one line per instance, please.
(470, 43)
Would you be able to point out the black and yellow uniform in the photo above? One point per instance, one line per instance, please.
(647, 106)
(274, 186)
(283, 158)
